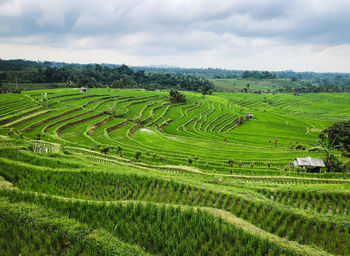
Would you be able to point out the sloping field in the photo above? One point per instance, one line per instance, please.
(230, 84)
(122, 172)
(204, 131)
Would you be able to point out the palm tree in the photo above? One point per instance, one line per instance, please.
(325, 147)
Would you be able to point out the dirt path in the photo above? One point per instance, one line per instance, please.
(186, 168)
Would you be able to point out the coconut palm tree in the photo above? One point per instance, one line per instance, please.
(325, 146)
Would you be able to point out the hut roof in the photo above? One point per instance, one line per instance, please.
(308, 161)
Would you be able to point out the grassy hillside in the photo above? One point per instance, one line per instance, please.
(31, 86)
(175, 179)
(236, 85)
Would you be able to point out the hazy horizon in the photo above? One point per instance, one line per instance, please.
(169, 66)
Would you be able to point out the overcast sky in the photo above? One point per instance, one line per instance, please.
(302, 35)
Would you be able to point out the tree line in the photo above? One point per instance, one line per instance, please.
(321, 85)
(258, 75)
(97, 76)
(122, 76)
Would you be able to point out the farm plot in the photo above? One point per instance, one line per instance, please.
(204, 129)
(114, 181)
(112, 172)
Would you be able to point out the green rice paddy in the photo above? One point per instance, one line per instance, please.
(177, 179)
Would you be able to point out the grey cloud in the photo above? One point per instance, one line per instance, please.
(287, 20)
(235, 28)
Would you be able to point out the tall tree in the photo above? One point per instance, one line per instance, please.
(339, 134)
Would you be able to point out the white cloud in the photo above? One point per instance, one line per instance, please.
(10, 8)
(266, 34)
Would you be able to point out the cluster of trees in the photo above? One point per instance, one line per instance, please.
(198, 72)
(311, 76)
(7, 90)
(339, 135)
(225, 73)
(11, 65)
(97, 76)
(258, 75)
(176, 97)
(122, 76)
(336, 137)
(309, 81)
(311, 86)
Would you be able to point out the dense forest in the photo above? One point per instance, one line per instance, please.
(150, 78)
(309, 81)
(95, 75)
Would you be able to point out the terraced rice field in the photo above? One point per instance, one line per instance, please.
(166, 185)
(230, 84)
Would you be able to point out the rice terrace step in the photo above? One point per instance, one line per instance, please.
(136, 174)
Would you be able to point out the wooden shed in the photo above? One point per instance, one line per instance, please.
(249, 116)
(310, 164)
(83, 89)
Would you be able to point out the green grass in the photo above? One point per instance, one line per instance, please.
(236, 85)
(110, 180)
(62, 195)
(32, 86)
(204, 128)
